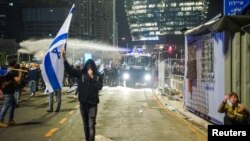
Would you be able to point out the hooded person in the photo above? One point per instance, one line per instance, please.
(90, 83)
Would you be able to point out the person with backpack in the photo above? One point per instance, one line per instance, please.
(8, 87)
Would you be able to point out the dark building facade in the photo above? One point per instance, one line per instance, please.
(10, 25)
(44, 18)
(10, 19)
(95, 19)
(3, 13)
(24, 19)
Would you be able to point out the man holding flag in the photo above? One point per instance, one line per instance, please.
(89, 84)
(52, 66)
(90, 81)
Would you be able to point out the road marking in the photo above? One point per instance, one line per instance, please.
(63, 120)
(77, 106)
(51, 132)
(71, 112)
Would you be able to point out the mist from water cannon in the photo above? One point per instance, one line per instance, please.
(75, 49)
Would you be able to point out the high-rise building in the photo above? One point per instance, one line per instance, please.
(163, 20)
(44, 18)
(95, 19)
(10, 19)
(10, 23)
(23, 19)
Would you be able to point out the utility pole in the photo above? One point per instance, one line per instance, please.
(114, 25)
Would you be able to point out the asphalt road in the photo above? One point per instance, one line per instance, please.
(124, 114)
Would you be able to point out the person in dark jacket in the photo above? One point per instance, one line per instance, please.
(89, 84)
(8, 89)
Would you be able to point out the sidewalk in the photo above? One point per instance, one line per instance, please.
(178, 106)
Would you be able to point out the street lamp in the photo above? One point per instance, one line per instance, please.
(124, 39)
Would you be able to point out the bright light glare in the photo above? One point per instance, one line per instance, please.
(147, 77)
(125, 76)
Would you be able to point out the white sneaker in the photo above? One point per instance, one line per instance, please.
(32, 94)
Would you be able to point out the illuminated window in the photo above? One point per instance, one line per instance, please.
(161, 5)
(186, 8)
(177, 32)
(151, 5)
(173, 4)
(198, 8)
(151, 33)
(187, 13)
(199, 3)
(140, 11)
(180, 13)
(139, 7)
(135, 30)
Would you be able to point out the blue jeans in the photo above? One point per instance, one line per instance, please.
(88, 112)
(32, 86)
(58, 99)
(9, 101)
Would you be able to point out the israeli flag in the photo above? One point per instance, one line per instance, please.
(52, 65)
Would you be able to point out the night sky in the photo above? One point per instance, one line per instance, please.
(215, 7)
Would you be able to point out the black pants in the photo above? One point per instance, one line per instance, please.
(88, 112)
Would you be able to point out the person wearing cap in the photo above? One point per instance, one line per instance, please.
(90, 83)
(235, 112)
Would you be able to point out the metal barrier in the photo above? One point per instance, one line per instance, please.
(171, 76)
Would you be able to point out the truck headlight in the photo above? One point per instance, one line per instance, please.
(127, 67)
(147, 77)
(125, 76)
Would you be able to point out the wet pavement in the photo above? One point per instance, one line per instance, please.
(124, 114)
